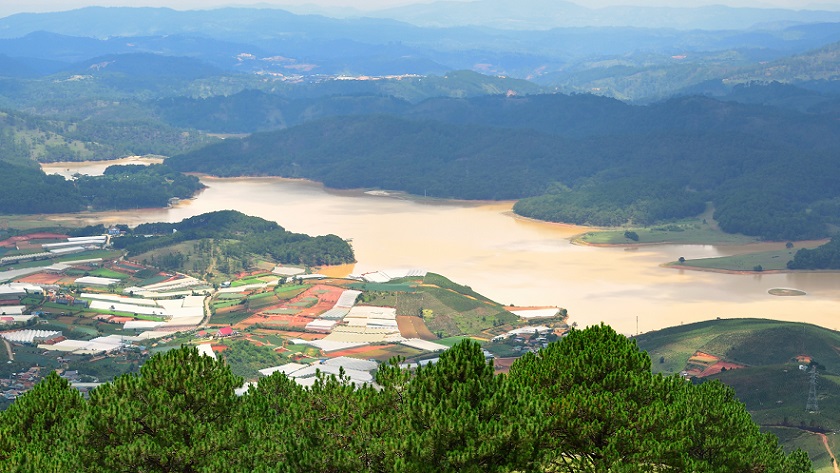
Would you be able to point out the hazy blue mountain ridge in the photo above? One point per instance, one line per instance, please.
(630, 63)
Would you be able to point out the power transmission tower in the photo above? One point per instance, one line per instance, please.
(812, 405)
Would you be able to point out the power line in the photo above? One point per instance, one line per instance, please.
(812, 405)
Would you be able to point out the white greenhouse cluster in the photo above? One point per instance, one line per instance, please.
(29, 336)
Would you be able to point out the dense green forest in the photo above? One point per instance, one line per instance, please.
(826, 256)
(239, 236)
(136, 186)
(586, 403)
(28, 137)
(28, 190)
(769, 172)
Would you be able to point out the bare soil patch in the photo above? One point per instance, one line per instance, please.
(414, 327)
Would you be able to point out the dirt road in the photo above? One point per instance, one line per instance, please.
(9, 350)
(827, 449)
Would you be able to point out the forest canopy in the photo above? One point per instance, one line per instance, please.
(586, 403)
(769, 172)
(29, 190)
(238, 236)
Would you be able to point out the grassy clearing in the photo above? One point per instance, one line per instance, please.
(686, 232)
(766, 260)
(773, 260)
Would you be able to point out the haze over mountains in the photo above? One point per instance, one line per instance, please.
(642, 62)
(401, 103)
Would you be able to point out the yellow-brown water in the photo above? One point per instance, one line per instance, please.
(511, 260)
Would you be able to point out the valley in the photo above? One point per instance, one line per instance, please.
(510, 260)
(453, 236)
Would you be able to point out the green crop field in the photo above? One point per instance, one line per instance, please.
(225, 304)
(229, 318)
(289, 292)
(107, 273)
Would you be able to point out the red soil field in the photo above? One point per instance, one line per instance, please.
(278, 320)
(700, 357)
(32, 236)
(327, 297)
(41, 278)
(718, 367)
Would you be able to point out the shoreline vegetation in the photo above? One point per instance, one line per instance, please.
(750, 255)
(701, 230)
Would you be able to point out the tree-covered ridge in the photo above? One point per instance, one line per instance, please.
(589, 160)
(239, 236)
(28, 137)
(587, 403)
(136, 186)
(28, 190)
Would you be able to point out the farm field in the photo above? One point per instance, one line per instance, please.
(414, 327)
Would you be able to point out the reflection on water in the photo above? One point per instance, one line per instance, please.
(513, 260)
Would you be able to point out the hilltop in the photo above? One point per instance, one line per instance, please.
(768, 364)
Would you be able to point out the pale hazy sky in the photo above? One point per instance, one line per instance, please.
(8, 7)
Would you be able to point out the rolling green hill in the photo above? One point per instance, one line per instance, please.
(226, 242)
(770, 382)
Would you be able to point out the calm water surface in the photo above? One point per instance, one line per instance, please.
(511, 260)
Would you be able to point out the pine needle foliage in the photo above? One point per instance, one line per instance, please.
(588, 403)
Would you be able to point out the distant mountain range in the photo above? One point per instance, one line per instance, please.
(497, 14)
(546, 14)
(629, 63)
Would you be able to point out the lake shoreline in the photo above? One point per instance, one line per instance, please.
(506, 257)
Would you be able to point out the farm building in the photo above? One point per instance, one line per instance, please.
(95, 281)
(358, 371)
(425, 345)
(320, 326)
